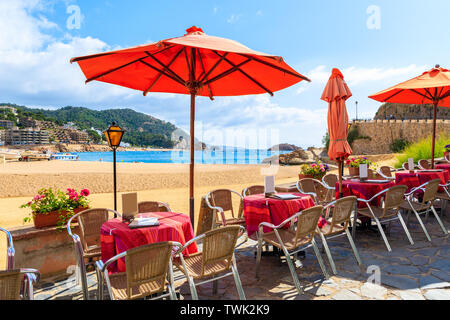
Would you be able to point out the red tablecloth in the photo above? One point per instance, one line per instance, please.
(445, 166)
(413, 180)
(258, 208)
(117, 237)
(363, 190)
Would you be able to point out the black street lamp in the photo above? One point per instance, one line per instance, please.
(114, 136)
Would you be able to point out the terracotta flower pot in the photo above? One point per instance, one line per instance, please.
(446, 153)
(353, 171)
(305, 176)
(51, 219)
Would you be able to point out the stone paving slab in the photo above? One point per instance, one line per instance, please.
(409, 272)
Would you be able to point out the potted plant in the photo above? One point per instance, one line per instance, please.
(354, 163)
(446, 151)
(314, 171)
(54, 208)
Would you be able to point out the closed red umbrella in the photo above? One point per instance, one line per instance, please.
(431, 87)
(195, 64)
(336, 93)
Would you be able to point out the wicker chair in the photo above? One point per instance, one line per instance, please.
(316, 189)
(18, 284)
(338, 225)
(444, 196)
(386, 172)
(430, 190)
(216, 260)
(291, 242)
(405, 166)
(148, 272)
(253, 190)
(11, 251)
(153, 206)
(424, 164)
(221, 201)
(88, 245)
(389, 211)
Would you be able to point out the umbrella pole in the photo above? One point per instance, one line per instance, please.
(341, 194)
(191, 168)
(433, 145)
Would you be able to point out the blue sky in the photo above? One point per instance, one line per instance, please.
(409, 37)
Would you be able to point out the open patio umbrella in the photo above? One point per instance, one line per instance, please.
(336, 93)
(195, 64)
(432, 87)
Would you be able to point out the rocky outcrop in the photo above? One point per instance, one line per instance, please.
(299, 157)
(284, 147)
(398, 111)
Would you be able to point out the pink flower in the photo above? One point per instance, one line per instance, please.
(85, 192)
(37, 198)
(322, 223)
(29, 203)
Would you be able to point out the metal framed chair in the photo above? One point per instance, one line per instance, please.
(10, 249)
(430, 190)
(292, 241)
(18, 284)
(444, 196)
(149, 272)
(424, 164)
(153, 206)
(253, 190)
(316, 189)
(214, 262)
(87, 244)
(388, 211)
(337, 226)
(221, 201)
(329, 181)
(386, 172)
(405, 166)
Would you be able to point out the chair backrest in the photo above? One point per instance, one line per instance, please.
(10, 249)
(431, 190)
(342, 211)
(152, 206)
(393, 199)
(90, 222)
(330, 180)
(10, 284)
(206, 218)
(148, 264)
(386, 171)
(424, 164)
(253, 190)
(218, 246)
(405, 166)
(315, 186)
(307, 223)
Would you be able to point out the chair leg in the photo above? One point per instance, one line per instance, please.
(422, 224)
(327, 250)
(399, 215)
(84, 285)
(172, 293)
(355, 216)
(258, 257)
(439, 220)
(237, 280)
(319, 258)
(352, 244)
(194, 294)
(215, 287)
(380, 228)
(99, 285)
(292, 270)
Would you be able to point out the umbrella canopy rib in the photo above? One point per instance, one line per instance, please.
(114, 70)
(229, 71)
(275, 67)
(213, 68)
(160, 74)
(164, 66)
(246, 74)
(203, 68)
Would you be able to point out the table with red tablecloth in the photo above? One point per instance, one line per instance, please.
(443, 166)
(363, 190)
(117, 237)
(258, 208)
(418, 177)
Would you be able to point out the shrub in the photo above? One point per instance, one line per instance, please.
(399, 145)
(422, 149)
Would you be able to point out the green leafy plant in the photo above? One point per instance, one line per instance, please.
(317, 170)
(49, 200)
(356, 162)
(447, 148)
(422, 150)
(399, 145)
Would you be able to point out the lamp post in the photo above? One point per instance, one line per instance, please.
(356, 110)
(114, 136)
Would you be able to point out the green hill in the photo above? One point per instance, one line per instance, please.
(142, 130)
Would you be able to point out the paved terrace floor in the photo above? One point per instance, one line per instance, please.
(410, 272)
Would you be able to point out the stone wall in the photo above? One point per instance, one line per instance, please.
(384, 132)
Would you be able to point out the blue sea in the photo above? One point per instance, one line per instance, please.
(233, 156)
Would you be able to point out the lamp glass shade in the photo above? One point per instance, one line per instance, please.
(114, 136)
